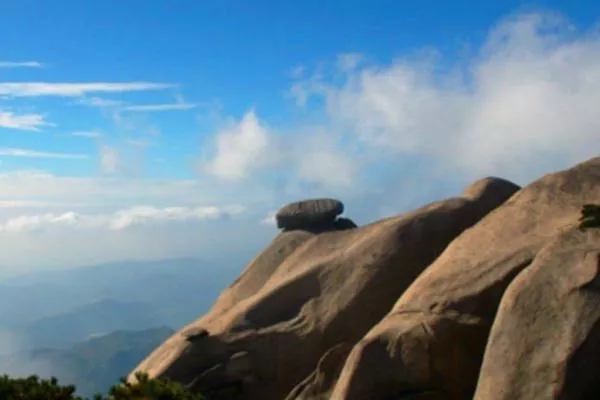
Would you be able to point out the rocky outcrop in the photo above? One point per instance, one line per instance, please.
(308, 293)
(492, 294)
(545, 341)
(434, 337)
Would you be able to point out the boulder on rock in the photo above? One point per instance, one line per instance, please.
(307, 214)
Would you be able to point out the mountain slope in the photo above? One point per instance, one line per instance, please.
(143, 295)
(98, 318)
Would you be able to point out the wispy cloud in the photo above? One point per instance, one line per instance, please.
(24, 122)
(110, 159)
(34, 89)
(86, 134)
(160, 107)
(21, 64)
(179, 104)
(349, 61)
(119, 220)
(140, 143)
(296, 72)
(14, 152)
(100, 102)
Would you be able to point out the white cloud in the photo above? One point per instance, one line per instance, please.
(309, 155)
(160, 107)
(25, 122)
(349, 61)
(21, 64)
(32, 222)
(303, 89)
(524, 104)
(240, 149)
(119, 220)
(14, 152)
(110, 159)
(34, 89)
(145, 214)
(270, 219)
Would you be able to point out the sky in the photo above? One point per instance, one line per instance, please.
(146, 130)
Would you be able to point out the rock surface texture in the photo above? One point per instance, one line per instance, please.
(493, 294)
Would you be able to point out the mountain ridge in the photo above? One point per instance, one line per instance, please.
(403, 307)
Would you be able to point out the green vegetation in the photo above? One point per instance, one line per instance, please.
(34, 388)
(590, 216)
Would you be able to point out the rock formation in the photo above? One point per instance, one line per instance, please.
(492, 294)
(435, 336)
(316, 215)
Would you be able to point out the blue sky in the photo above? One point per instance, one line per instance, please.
(186, 123)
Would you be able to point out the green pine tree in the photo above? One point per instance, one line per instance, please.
(34, 388)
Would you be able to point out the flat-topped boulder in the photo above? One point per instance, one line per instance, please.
(308, 214)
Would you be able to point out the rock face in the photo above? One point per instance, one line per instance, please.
(492, 294)
(434, 338)
(309, 294)
(548, 326)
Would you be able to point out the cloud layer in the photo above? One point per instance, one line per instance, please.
(382, 137)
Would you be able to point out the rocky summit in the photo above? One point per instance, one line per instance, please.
(491, 295)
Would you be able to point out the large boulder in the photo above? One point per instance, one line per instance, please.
(432, 341)
(309, 300)
(545, 341)
(309, 214)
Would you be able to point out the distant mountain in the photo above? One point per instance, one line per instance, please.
(43, 305)
(92, 365)
(98, 318)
